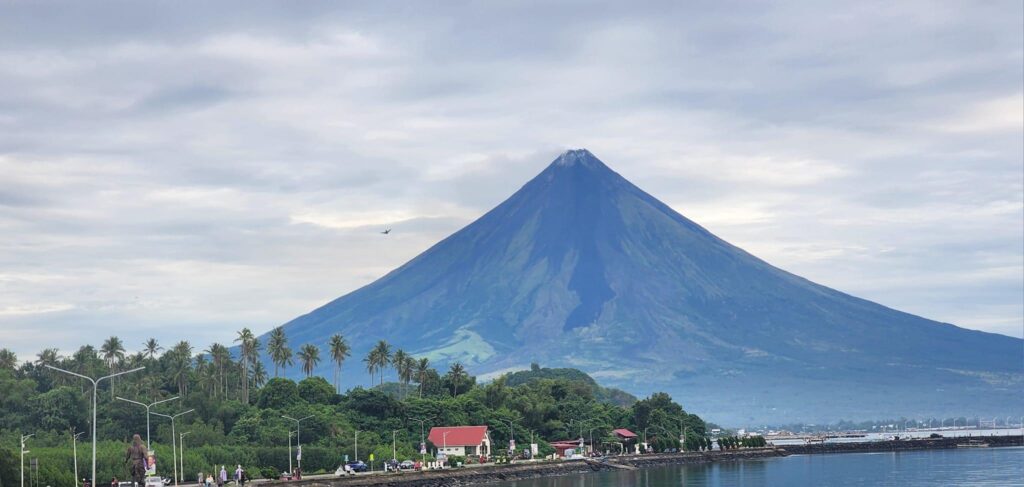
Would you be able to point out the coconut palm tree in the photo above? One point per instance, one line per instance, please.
(220, 357)
(339, 351)
(258, 374)
(400, 360)
(371, 364)
(309, 355)
(48, 356)
(382, 354)
(8, 359)
(113, 353)
(277, 347)
(249, 352)
(421, 372)
(151, 348)
(456, 372)
(181, 365)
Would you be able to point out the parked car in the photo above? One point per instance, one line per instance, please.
(407, 465)
(358, 466)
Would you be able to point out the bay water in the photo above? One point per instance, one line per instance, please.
(1002, 467)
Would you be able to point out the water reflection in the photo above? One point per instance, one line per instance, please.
(975, 467)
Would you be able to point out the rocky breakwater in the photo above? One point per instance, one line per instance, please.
(690, 458)
(901, 445)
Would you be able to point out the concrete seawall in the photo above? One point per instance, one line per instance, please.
(497, 473)
(521, 471)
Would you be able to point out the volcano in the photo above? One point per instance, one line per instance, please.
(580, 268)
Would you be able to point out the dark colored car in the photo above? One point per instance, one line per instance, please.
(358, 466)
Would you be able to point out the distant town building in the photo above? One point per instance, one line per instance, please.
(461, 440)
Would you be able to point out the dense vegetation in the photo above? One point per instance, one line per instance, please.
(608, 395)
(238, 410)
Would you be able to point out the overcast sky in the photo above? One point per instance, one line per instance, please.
(181, 170)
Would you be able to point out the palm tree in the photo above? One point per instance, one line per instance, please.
(339, 351)
(8, 359)
(277, 347)
(371, 364)
(421, 371)
(113, 354)
(47, 357)
(258, 374)
(382, 354)
(400, 359)
(151, 348)
(249, 346)
(309, 354)
(456, 372)
(181, 365)
(220, 357)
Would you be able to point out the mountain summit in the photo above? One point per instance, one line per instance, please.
(581, 268)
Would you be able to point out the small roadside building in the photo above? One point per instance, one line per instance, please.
(578, 447)
(628, 440)
(461, 440)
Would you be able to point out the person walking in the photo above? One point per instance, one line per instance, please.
(135, 457)
(223, 478)
(238, 475)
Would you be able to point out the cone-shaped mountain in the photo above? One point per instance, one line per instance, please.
(581, 268)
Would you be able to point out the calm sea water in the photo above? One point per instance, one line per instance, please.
(1001, 467)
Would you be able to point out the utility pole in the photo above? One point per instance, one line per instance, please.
(23, 452)
(95, 383)
(174, 446)
(357, 445)
(149, 445)
(74, 451)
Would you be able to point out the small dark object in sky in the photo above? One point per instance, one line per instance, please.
(385, 232)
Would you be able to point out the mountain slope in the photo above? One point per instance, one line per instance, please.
(581, 268)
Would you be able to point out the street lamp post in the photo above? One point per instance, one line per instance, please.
(74, 451)
(357, 445)
(95, 383)
(174, 446)
(298, 435)
(181, 444)
(147, 406)
(23, 452)
(394, 444)
(511, 438)
(444, 444)
(423, 441)
(290, 433)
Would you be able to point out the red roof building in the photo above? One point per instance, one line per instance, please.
(461, 440)
(624, 434)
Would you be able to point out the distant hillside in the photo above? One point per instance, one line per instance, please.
(607, 395)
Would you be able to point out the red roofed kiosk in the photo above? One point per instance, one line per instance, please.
(461, 440)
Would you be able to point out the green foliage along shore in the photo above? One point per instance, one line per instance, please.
(237, 417)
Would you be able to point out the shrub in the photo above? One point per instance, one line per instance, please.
(270, 473)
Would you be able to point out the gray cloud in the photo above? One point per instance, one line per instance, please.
(183, 169)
